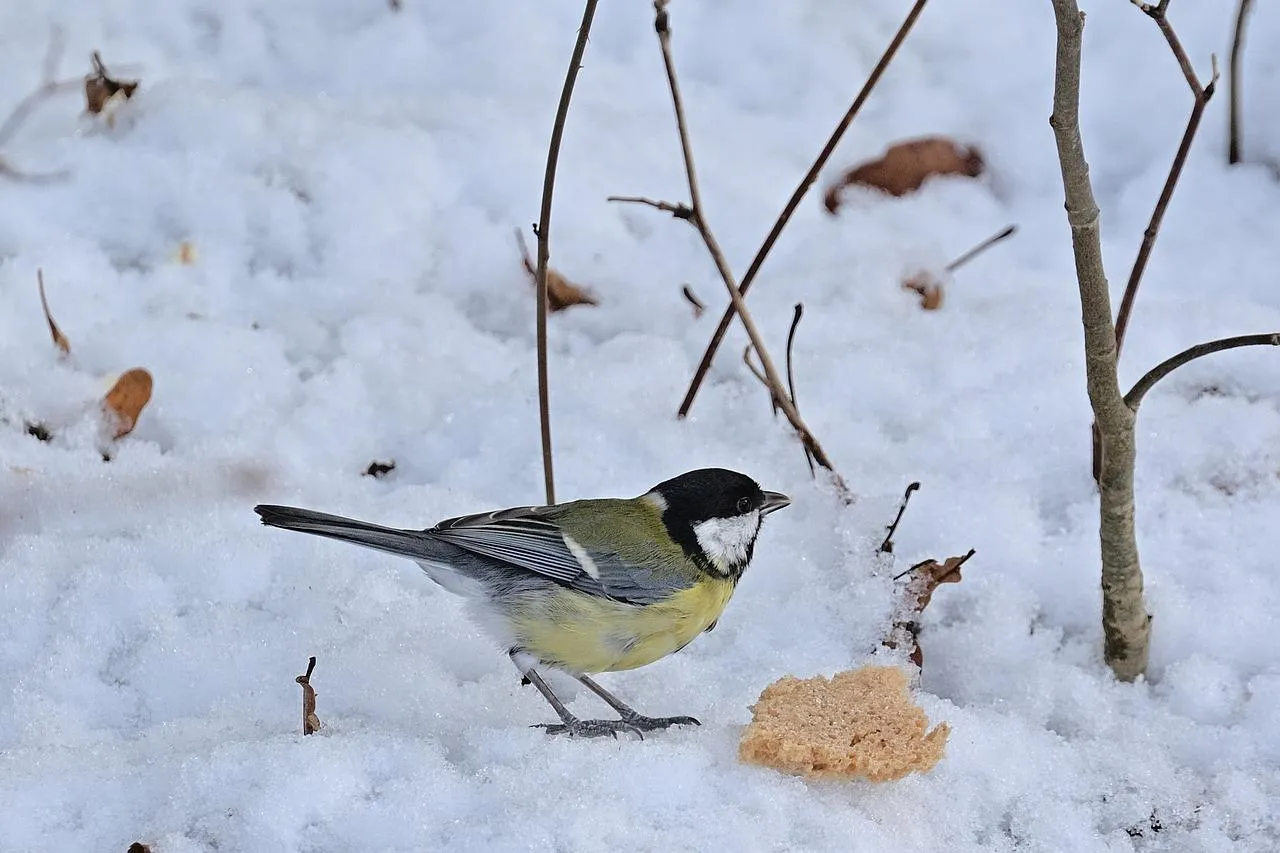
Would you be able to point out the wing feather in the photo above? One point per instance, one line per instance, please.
(528, 538)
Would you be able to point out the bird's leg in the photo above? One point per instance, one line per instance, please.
(630, 715)
(569, 724)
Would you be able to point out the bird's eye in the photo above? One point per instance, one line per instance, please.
(744, 505)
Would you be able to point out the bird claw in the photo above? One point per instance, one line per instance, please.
(591, 728)
(653, 724)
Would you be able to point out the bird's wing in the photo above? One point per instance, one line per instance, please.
(527, 538)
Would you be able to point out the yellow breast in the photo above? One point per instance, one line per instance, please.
(585, 633)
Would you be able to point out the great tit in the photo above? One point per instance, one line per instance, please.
(586, 586)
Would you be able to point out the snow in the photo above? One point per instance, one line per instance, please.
(351, 176)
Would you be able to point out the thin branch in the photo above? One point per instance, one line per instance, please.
(544, 243)
(692, 298)
(1134, 398)
(800, 191)
(791, 376)
(698, 219)
(1233, 82)
(886, 547)
(980, 248)
(1201, 95)
(679, 211)
(755, 371)
(47, 88)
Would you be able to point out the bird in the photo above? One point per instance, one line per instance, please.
(586, 586)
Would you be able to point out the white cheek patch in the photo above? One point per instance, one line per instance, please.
(580, 554)
(727, 541)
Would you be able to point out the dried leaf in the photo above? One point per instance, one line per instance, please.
(928, 287)
(561, 293)
(922, 580)
(100, 89)
(126, 399)
(310, 722)
(379, 469)
(905, 167)
(59, 340)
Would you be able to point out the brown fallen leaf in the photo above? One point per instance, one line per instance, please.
(59, 340)
(905, 167)
(927, 286)
(923, 579)
(561, 293)
(100, 89)
(310, 722)
(126, 399)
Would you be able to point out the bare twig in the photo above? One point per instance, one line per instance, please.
(800, 191)
(698, 308)
(1140, 388)
(755, 371)
(1125, 622)
(544, 243)
(679, 211)
(47, 88)
(886, 547)
(1233, 82)
(698, 218)
(1201, 95)
(980, 248)
(59, 339)
(791, 375)
(310, 722)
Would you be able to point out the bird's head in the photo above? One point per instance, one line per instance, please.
(715, 515)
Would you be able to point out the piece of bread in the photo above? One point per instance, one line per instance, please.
(860, 723)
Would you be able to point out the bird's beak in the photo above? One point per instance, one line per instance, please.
(773, 501)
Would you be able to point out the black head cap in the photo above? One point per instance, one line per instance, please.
(712, 493)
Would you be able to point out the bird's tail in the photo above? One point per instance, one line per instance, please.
(404, 543)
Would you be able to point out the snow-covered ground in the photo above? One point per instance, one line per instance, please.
(350, 177)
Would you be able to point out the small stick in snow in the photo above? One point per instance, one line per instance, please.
(698, 308)
(791, 376)
(59, 339)
(980, 248)
(1233, 83)
(543, 231)
(886, 547)
(310, 722)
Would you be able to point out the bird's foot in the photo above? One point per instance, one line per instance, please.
(592, 728)
(653, 724)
